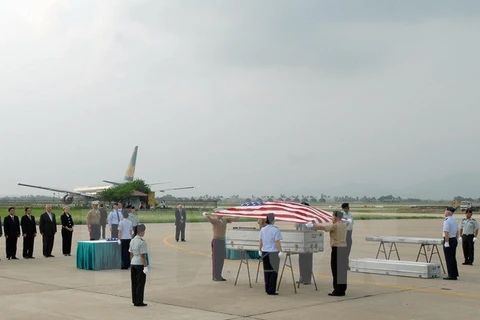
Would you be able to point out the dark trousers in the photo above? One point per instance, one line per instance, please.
(94, 232)
(305, 264)
(180, 231)
(451, 258)
(66, 241)
(48, 244)
(271, 264)
(11, 246)
(338, 264)
(125, 245)
(134, 231)
(138, 283)
(28, 245)
(218, 258)
(114, 231)
(468, 248)
(103, 225)
(349, 244)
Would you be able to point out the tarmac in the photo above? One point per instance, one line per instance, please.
(180, 286)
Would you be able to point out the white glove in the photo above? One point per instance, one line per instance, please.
(145, 270)
(204, 214)
(259, 253)
(459, 239)
(446, 245)
(280, 254)
(309, 225)
(119, 241)
(349, 221)
(474, 239)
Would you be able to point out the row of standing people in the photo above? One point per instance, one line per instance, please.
(97, 219)
(27, 228)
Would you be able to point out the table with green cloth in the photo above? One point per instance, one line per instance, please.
(98, 255)
(237, 254)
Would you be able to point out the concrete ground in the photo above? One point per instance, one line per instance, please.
(179, 284)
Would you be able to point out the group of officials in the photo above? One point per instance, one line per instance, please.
(26, 227)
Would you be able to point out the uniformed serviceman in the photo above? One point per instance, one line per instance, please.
(348, 216)
(133, 217)
(450, 234)
(219, 225)
(93, 221)
(138, 266)
(468, 233)
(305, 260)
(270, 249)
(339, 255)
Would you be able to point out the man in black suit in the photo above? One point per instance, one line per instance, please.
(11, 228)
(48, 228)
(29, 231)
(180, 219)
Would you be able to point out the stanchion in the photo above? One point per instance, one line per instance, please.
(244, 260)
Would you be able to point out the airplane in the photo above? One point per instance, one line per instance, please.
(91, 192)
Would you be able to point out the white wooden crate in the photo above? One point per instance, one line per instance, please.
(396, 267)
(294, 241)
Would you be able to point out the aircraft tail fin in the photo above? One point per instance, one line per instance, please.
(130, 174)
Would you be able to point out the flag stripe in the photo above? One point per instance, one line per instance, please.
(284, 211)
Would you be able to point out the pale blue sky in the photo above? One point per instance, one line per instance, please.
(242, 97)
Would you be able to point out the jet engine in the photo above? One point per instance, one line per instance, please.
(67, 199)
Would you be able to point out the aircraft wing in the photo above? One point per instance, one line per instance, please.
(176, 188)
(114, 183)
(55, 190)
(155, 183)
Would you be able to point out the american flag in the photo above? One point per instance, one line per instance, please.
(284, 211)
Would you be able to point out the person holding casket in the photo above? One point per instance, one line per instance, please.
(270, 250)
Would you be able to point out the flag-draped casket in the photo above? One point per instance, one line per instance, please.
(294, 241)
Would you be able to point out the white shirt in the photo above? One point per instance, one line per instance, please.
(125, 226)
(269, 235)
(138, 247)
(348, 216)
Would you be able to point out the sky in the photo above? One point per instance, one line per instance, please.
(242, 97)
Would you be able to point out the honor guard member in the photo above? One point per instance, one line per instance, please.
(348, 216)
(93, 221)
(139, 268)
(270, 252)
(305, 260)
(469, 233)
(114, 219)
(133, 217)
(339, 255)
(219, 225)
(103, 219)
(124, 238)
(29, 231)
(450, 234)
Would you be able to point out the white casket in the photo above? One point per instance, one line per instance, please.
(294, 241)
(396, 267)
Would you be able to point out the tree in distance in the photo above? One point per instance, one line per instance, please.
(123, 192)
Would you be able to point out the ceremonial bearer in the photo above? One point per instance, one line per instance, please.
(450, 234)
(468, 233)
(93, 221)
(219, 225)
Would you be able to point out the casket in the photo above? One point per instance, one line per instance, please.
(294, 241)
(396, 267)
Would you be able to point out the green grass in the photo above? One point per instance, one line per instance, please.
(168, 216)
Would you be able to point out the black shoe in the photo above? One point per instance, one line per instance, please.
(447, 278)
(14, 258)
(140, 305)
(335, 294)
(465, 263)
(273, 294)
(221, 279)
(31, 257)
(183, 240)
(51, 256)
(176, 239)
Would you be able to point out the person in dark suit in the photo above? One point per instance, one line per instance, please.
(180, 219)
(11, 228)
(67, 231)
(29, 231)
(48, 228)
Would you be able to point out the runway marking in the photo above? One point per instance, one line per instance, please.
(325, 276)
